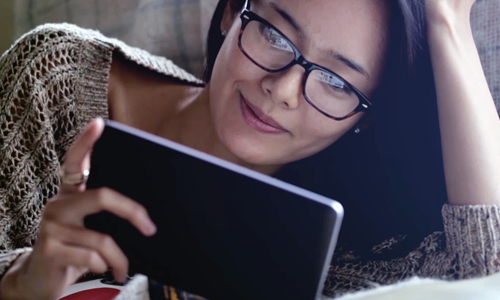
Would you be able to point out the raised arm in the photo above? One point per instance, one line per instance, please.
(469, 122)
(41, 105)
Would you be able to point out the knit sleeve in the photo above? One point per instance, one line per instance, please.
(53, 81)
(473, 238)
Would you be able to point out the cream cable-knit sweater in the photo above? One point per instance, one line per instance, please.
(53, 81)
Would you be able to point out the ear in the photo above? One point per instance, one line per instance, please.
(228, 17)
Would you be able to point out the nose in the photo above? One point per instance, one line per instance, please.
(285, 88)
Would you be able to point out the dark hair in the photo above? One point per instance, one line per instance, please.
(215, 37)
(398, 161)
(409, 16)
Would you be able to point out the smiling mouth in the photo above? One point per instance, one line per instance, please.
(258, 120)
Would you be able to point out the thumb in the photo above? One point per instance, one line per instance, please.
(77, 160)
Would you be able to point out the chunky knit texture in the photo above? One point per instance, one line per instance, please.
(53, 81)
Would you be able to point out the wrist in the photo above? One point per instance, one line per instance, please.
(451, 30)
(452, 16)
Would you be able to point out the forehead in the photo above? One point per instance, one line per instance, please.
(332, 12)
(356, 28)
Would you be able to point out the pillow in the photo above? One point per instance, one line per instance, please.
(177, 29)
(168, 28)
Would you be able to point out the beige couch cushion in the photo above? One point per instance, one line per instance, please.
(168, 28)
(176, 29)
(486, 28)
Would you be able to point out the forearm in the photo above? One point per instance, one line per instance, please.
(469, 122)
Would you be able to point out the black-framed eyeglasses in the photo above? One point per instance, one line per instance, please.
(273, 52)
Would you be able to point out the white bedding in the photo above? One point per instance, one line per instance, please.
(486, 288)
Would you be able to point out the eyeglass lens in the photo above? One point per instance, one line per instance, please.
(326, 91)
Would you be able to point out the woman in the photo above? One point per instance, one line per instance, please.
(285, 80)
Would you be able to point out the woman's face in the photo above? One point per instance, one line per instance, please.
(335, 34)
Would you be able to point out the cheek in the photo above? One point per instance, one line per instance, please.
(311, 131)
(318, 132)
(223, 85)
(231, 64)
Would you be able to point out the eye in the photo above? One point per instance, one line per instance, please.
(333, 82)
(275, 39)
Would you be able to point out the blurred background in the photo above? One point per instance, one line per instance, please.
(6, 24)
(175, 29)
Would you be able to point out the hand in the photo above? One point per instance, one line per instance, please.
(448, 10)
(65, 249)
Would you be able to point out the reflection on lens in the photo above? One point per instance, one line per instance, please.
(270, 50)
(266, 46)
(330, 94)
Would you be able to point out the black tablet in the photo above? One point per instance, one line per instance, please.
(224, 232)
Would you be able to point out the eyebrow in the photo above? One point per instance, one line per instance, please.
(331, 53)
(287, 18)
(348, 62)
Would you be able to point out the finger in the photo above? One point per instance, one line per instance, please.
(103, 244)
(79, 187)
(81, 148)
(77, 158)
(81, 258)
(74, 209)
(55, 254)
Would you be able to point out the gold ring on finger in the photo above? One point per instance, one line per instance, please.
(73, 179)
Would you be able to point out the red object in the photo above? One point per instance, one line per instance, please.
(93, 294)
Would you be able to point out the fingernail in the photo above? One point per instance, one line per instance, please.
(99, 120)
(123, 278)
(149, 227)
(119, 278)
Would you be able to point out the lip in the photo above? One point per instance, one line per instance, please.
(258, 120)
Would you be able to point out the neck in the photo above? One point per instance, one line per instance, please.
(193, 127)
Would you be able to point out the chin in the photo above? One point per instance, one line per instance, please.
(244, 142)
(252, 150)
